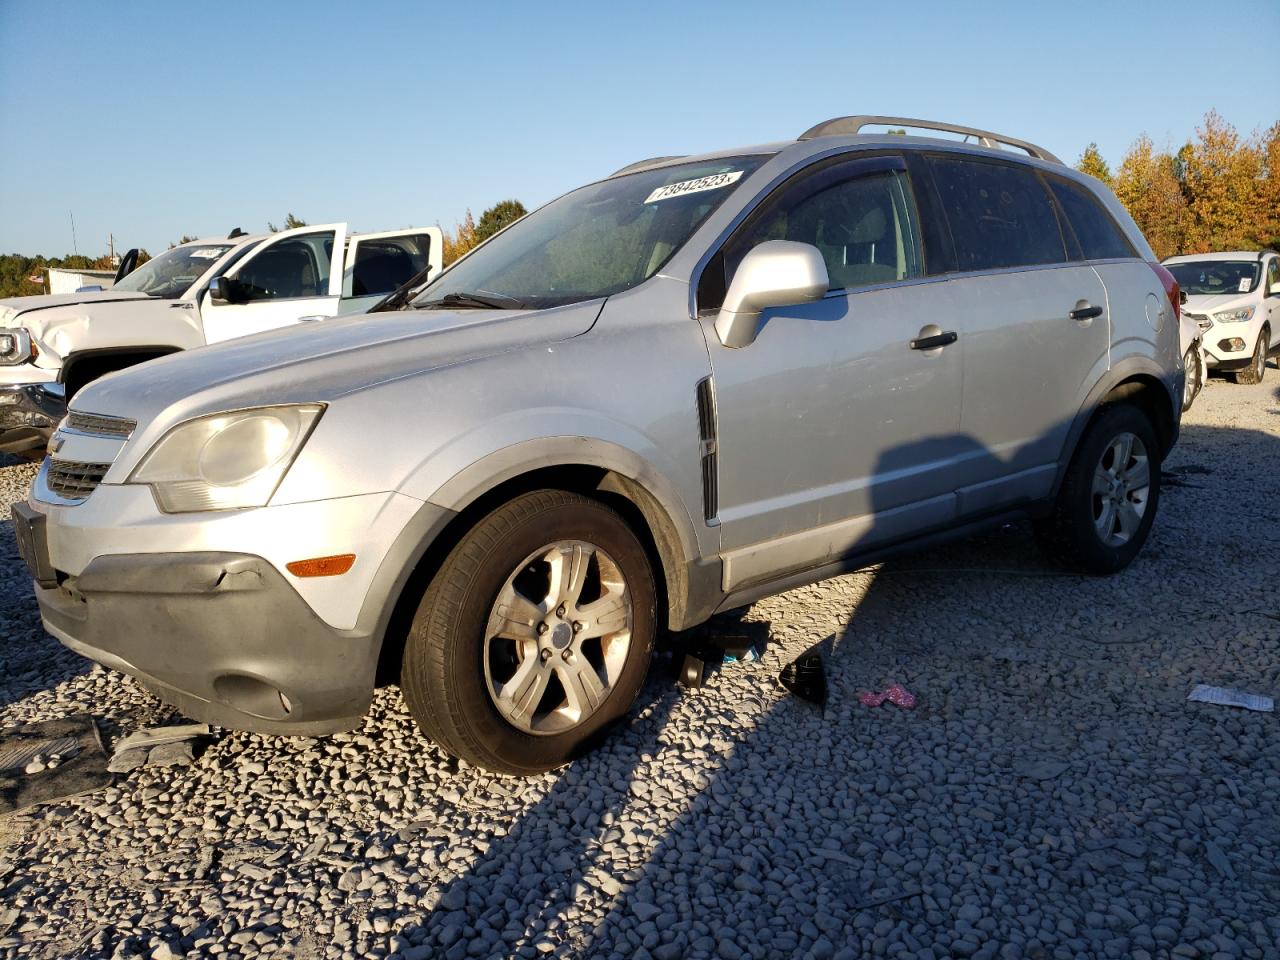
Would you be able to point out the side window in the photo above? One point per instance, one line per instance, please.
(1099, 236)
(864, 226)
(1000, 214)
(297, 267)
(1273, 274)
(382, 265)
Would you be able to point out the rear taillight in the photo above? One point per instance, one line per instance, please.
(1171, 290)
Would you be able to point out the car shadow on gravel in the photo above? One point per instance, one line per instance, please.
(1051, 790)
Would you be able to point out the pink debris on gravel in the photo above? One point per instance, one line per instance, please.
(896, 694)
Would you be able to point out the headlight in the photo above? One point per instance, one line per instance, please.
(227, 460)
(15, 346)
(1234, 316)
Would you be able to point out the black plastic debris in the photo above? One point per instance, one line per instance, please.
(47, 761)
(806, 677)
(692, 670)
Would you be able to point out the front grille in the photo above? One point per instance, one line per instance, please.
(100, 425)
(73, 480)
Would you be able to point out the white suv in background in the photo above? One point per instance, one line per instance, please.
(1234, 298)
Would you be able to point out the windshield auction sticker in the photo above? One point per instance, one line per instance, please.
(207, 253)
(713, 182)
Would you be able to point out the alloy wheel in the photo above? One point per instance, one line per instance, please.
(557, 637)
(1121, 488)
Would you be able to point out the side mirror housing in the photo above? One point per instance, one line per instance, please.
(225, 290)
(777, 273)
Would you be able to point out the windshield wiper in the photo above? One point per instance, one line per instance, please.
(481, 299)
(399, 297)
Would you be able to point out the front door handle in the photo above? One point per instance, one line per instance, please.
(1085, 313)
(934, 341)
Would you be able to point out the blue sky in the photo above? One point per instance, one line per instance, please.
(155, 119)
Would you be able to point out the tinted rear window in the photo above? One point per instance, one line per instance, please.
(1000, 214)
(1100, 238)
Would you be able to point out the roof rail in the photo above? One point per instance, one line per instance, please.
(850, 126)
(641, 164)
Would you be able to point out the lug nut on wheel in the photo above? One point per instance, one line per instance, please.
(577, 626)
(542, 628)
(560, 610)
(546, 655)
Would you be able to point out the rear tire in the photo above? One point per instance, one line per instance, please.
(1105, 507)
(1257, 368)
(534, 636)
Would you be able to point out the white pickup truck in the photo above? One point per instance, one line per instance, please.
(201, 292)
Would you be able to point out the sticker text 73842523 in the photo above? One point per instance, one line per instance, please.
(714, 182)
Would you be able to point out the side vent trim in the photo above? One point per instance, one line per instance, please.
(707, 433)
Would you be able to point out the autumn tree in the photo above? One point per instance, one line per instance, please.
(1222, 181)
(462, 239)
(497, 217)
(1091, 162)
(1147, 184)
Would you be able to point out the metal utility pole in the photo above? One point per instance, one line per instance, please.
(74, 249)
(111, 249)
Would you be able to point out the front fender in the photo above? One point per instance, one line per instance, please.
(494, 453)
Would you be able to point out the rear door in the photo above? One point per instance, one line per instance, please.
(296, 275)
(1034, 324)
(378, 263)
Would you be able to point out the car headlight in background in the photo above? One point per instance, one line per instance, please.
(227, 460)
(15, 345)
(1234, 316)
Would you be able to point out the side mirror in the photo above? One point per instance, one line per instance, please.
(226, 290)
(1182, 297)
(777, 273)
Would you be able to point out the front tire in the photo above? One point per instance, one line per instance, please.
(1194, 379)
(1257, 368)
(1110, 494)
(534, 636)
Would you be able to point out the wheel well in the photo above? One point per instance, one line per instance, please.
(1149, 395)
(637, 506)
(83, 367)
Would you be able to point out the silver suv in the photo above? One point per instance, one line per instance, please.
(696, 382)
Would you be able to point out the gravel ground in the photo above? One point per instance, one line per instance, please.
(1052, 794)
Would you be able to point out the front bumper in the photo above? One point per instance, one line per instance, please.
(221, 636)
(29, 412)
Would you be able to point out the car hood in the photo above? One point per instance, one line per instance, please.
(322, 361)
(1212, 303)
(15, 306)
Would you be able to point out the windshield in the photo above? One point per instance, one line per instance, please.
(594, 242)
(170, 274)
(1199, 278)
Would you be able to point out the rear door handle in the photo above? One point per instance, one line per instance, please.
(1085, 313)
(935, 341)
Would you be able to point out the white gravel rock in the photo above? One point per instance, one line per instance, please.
(1052, 794)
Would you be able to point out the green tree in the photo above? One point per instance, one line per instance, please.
(290, 221)
(498, 216)
(1091, 162)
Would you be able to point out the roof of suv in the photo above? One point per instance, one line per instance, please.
(849, 129)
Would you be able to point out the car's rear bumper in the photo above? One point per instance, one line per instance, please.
(221, 636)
(29, 412)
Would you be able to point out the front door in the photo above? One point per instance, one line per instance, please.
(296, 275)
(834, 433)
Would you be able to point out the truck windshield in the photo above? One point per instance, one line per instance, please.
(594, 242)
(169, 275)
(1200, 278)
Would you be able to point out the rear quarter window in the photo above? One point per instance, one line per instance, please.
(1000, 214)
(1099, 236)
